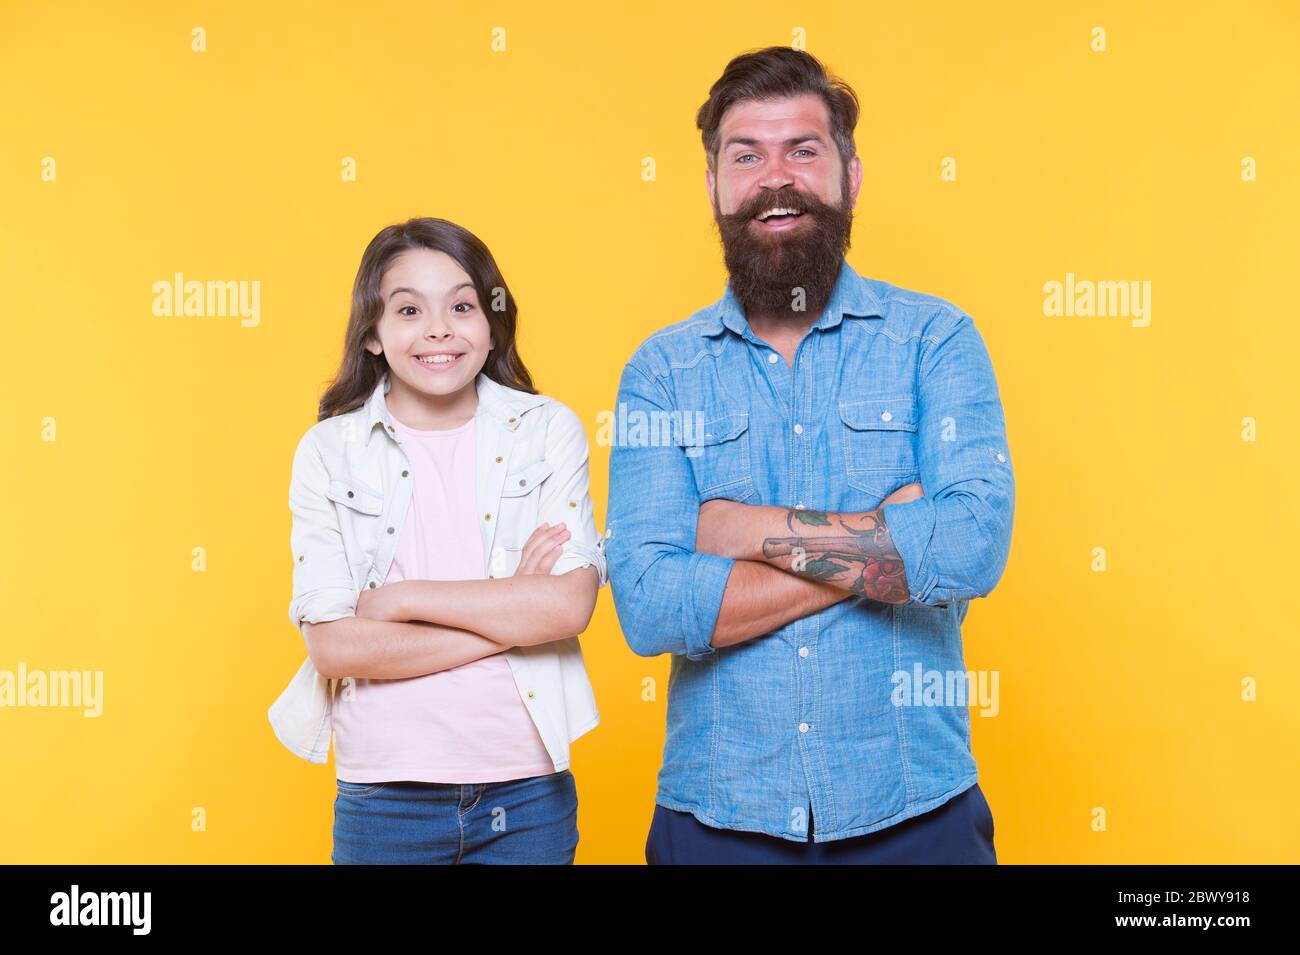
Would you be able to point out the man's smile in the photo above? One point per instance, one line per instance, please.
(778, 220)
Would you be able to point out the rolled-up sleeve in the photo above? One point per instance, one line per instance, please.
(955, 540)
(667, 595)
(323, 588)
(566, 494)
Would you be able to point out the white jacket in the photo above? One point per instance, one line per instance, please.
(349, 492)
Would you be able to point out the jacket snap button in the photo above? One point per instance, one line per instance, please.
(886, 416)
(390, 530)
(350, 494)
(405, 473)
(372, 585)
(522, 482)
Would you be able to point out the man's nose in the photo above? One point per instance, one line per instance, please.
(776, 174)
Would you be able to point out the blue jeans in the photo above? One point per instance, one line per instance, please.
(958, 832)
(520, 821)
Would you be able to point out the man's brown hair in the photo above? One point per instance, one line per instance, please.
(773, 73)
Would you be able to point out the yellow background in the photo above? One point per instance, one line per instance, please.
(1119, 690)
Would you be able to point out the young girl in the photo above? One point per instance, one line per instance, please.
(445, 558)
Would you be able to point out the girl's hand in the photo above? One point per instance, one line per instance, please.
(542, 549)
(382, 603)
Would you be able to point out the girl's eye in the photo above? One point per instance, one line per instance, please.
(402, 310)
(459, 304)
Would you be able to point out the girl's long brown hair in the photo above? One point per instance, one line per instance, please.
(360, 371)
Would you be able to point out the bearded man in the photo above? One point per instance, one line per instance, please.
(813, 547)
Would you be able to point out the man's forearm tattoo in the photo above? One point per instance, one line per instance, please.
(855, 552)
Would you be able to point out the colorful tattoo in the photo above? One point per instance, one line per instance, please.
(858, 555)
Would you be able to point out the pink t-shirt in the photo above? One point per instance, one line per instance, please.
(463, 725)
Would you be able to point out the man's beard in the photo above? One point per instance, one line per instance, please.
(767, 271)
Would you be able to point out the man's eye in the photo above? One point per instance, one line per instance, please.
(746, 156)
(808, 151)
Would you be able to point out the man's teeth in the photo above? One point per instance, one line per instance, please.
(763, 217)
(437, 359)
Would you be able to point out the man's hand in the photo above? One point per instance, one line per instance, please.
(722, 529)
(908, 492)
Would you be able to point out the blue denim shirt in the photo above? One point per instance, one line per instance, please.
(888, 386)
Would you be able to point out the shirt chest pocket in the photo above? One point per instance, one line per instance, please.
(878, 443)
(524, 480)
(356, 497)
(719, 455)
(518, 511)
(359, 514)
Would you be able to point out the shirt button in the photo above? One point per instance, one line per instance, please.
(803, 727)
(487, 517)
(772, 358)
(573, 504)
(531, 694)
(511, 419)
(887, 416)
(798, 429)
(803, 651)
(301, 558)
(498, 459)
(390, 427)
(798, 507)
(1001, 456)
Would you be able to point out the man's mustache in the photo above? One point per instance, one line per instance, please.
(800, 203)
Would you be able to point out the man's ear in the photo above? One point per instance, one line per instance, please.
(709, 184)
(855, 179)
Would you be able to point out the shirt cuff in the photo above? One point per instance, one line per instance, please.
(911, 526)
(708, 575)
(322, 606)
(575, 555)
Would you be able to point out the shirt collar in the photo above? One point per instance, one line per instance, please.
(852, 297)
(495, 400)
